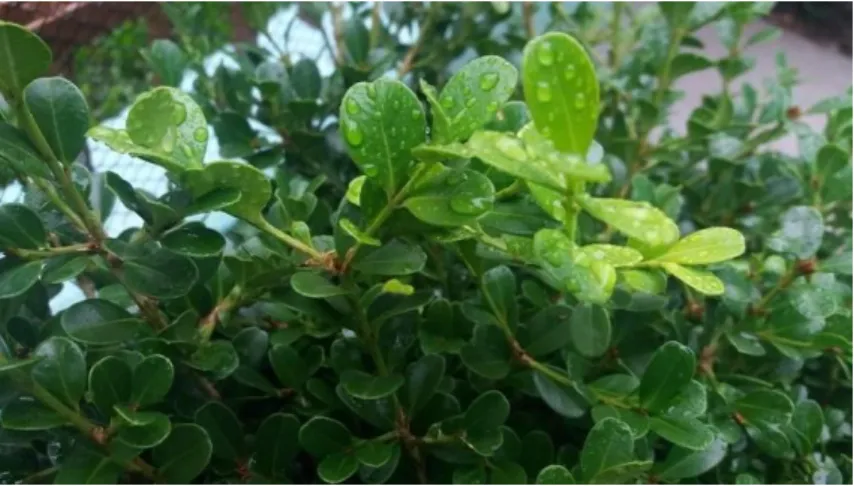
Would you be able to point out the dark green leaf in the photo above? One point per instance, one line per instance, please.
(58, 117)
(277, 444)
(395, 258)
(64, 267)
(253, 185)
(152, 379)
(767, 406)
(336, 468)
(143, 430)
(110, 383)
(194, 240)
(548, 330)
(422, 378)
(451, 197)
(217, 358)
(685, 463)
(61, 369)
(488, 353)
(167, 61)
(184, 454)
(607, 449)
(555, 474)
(314, 286)
(369, 387)
(18, 151)
(667, 374)
(801, 231)
(23, 58)
(19, 278)
(97, 321)
(24, 413)
(562, 398)
(685, 432)
(590, 328)
(322, 436)
(224, 429)
(290, 368)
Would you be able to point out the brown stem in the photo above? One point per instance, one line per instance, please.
(426, 27)
(528, 15)
(337, 32)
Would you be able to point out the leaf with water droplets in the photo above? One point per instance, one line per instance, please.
(471, 98)
(711, 245)
(452, 197)
(508, 154)
(618, 256)
(378, 131)
(253, 185)
(542, 151)
(702, 281)
(561, 90)
(440, 153)
(164, 126)
(351, 229)
(638, 220)
(648, 281)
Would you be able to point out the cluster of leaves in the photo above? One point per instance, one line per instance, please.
(503, 280)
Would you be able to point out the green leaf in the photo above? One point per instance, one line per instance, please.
(765, 406)
(590, 328)
(375, 453)
(562, 398)
(690, 403)
(97, 321)
(806, 426)
(829, 160)
(393, 259)
(746, 343)
(362, 237)
(683, 463)
(451, 197)
(20, 227)
(702, 281)
(290, 368)
(650, 282)
(24, 413)
(306, 79)
(277, 444)
(488, 353)
(61, 369)
(547, 331)
(322, 436)
(422, 379)
(667, 374)
(152, 430)
(685, 432)
(194, 240)
(616, 256)
(167, 122)
(64, 267)
(368, 387)
(486, 412)
(314, 286)
(110, 383)
(253, 185)
(19, 278)
(151, 270)
(85, 465)
(336, 468)
(471, 98)
(508, 154)
(638, 220)
(801, 231)
(184, 454)
(499, 292)
(23, 58)
(711, 245)
(18, 151)
(152, 379)
(561, 91)
(224, 430)
(811, 300)
(381, 122)
(554, 474)
(546, 156)
(167, 61)
(216, 357)
(638, 422)
(380, 475)
(677, 14)
(687, 63)
(608, 447)
(57, 116)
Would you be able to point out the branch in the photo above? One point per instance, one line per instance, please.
(528, 16)
(425, 27)
(337, 32)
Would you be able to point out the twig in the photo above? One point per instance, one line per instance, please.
(528, 16)
(376, 24)
(426, 27)
(337, 32)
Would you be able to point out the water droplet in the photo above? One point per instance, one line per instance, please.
(168, 141)
(353, 133)
(370, 170)
(470, 102)
(580, 100)
(416, 114)
(555, 257)
(488, 81)
(569, 73)
(544, 92)
(372, 92)
(492, 106)
(545, 54)
(393, 131)
(464, 202)
(179, 114)
(352, 106)
(651, 235)
(447, 102)
(511, 148)
(201, 134)
(551, 116)
(187, 152)
(457, 178)
(466, 91)
(395, 104)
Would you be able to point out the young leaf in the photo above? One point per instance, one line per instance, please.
(97, 321)
(711, 245)
(471, 98)
(561, 91)
(638, 220)
(184, 454)
(703, 281)
(451, 197)
(381, 122)
(667, 374)
(23, 58)
(616, 256)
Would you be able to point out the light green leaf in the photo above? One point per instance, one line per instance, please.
(702, 281)
(253, 185)
(97, 321)
(362, 237)
(638, 220)
(508, 154)
(451, 197)
(381, 122)
(354, 190)
(616, 256)
(167, 121)
(561, 90)
(23, 58)
(711, 245)
(685, 432)
(543, 151)
(648, 281)
(471, 98)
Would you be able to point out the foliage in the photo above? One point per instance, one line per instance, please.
(509, 268)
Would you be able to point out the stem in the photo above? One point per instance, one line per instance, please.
(510, 190)
(572, 210)
(289, 240)
(376, 23)
(664, 74)
(528, 16)
(78, 204)
(426, 27)
(57, 201)
(337, 32)
(616, 24)
(49, 252)
(784, 282)
(208, 323)
(36, 478)
(554, 375)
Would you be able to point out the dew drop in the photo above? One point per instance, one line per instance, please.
(179, 114)
(544, 92)
(545, 54)
(352, 106)
(353, 133)
(511, 148)
(416, 114)
(492, 106)
(457, 178)
(470, 102)
(447, 102)
(551, 116)
(580, 100)
(200, 134)
(370, 170)
(464, 202)
(488, 81)
(569, 73)
(372, 92)
(395, 104)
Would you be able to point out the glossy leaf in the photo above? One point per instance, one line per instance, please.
(195, 241)
(508, 154)
(554, 474)
(590, 328)
(154, 271)
(636, 220)
(560, 397)
(685, 432)
(607, 449)
(19, 278)
(667, 374)
(369, 387)
(184, 454)
(143, 429)
(110, 383)
(561, 90)
(422, 380)
(168, 122)
(253, 185)
(26, 414)
(58, 117)
(314, 286)
(152, 379)
(766, 406)
(702, 281)
(61, 369)
(451, 198)
(711, 245)
(224, 430)
(23, 58)
(278, 435)
(17, 150)
(322, 436)
(86, 465)
(395, 258)
(97, 321)
(683, 463)
(21, 228)
(381, 122)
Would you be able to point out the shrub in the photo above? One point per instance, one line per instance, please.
(478, 283)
